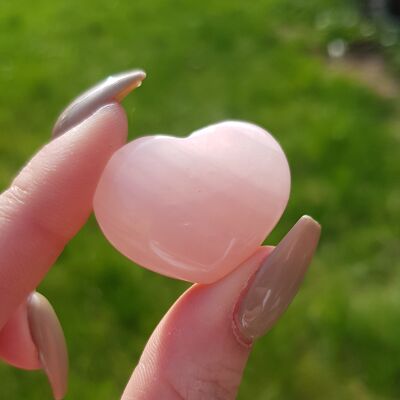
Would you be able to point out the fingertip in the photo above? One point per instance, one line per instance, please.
(16, 345)
(109, 122)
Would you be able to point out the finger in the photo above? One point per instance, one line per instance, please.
(201, 346)
(33, 339)
(51, 198)
(16, 343)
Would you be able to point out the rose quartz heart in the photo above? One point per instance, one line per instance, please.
(194, 208)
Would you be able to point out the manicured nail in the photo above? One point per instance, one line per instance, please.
(114, 88)
(49, 339)
(277, 281)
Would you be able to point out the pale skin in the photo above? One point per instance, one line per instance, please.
(194, 353)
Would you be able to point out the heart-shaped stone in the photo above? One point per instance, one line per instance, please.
(194, 208)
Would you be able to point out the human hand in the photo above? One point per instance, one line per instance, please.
(201, 346)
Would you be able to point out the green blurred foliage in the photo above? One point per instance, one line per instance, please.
(261, 61)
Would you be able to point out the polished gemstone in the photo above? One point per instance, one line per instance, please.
(194, 208)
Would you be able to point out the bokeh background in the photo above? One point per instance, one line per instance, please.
(323, 77)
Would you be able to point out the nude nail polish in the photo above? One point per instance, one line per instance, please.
(114, 88)
(277, 281)
(49, 339)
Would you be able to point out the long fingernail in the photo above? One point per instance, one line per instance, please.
(114, 88)
(49, 339)
(277, 281)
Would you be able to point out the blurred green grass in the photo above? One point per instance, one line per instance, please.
(207, 61)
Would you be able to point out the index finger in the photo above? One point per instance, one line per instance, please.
(51, 198)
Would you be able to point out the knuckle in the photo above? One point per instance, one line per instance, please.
(15, 205)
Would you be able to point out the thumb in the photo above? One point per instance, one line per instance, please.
(200, 348)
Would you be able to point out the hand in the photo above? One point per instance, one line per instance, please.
(201, 346)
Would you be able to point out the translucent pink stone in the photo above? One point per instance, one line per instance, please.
(194, 208)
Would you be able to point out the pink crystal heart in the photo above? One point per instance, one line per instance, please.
(194, 208)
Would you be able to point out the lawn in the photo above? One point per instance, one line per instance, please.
(262, 61)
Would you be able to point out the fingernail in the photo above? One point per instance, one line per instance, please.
(114, 88)
(49, 339)
(277, 281)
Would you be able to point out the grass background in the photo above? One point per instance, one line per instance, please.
(262, 61)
